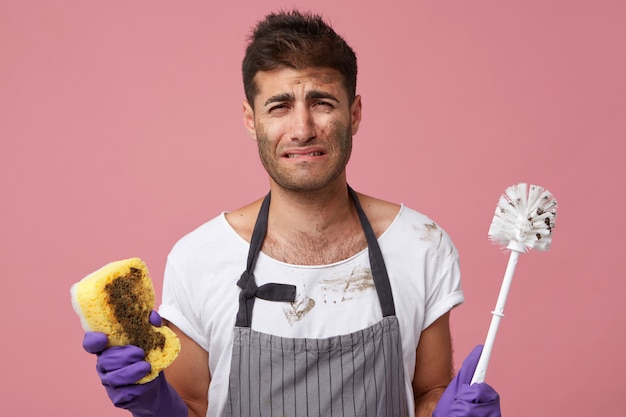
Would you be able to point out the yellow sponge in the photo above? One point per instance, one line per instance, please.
(117, 300)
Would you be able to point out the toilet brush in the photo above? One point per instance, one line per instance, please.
(523, 220)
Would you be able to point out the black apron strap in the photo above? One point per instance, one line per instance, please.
(249, 289)
(377, 263)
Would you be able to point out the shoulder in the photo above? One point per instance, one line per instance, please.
(380, 213)
(385, 215)
(214, 232)
(210, 251)
(415, 228)
(243, 219)
(240, 221)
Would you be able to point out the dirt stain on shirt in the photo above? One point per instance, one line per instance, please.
(298, 308)
(345, 288)
(433, 233)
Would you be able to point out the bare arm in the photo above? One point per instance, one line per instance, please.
(433, 366)
(189, 374)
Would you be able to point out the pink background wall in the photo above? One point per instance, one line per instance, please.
(120, 130)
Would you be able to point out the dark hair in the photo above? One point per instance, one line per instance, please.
(297, 40)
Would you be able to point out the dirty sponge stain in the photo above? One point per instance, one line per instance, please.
(124, 297)
(117, 300)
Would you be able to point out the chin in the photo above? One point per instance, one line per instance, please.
(307, 185)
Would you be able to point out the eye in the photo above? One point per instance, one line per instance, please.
(323, 104)
(277, 108)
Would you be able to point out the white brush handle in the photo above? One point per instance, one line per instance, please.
(481, 369)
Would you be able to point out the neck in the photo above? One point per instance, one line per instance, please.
(311, 212)
(313, 228)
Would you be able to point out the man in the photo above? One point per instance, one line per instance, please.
(315, 300)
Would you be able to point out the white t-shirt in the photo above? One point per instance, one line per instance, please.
(200, 292)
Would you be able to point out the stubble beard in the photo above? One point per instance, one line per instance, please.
(297, 182)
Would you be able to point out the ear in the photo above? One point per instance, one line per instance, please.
(248, 119)
(355, 112)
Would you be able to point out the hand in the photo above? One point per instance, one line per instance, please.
(461, 399)
(120, 367)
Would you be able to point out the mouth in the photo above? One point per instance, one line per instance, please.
(300, 155)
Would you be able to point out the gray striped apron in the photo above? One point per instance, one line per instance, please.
(360, 374)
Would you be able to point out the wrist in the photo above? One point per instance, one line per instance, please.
(160, 401)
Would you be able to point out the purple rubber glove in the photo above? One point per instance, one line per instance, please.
(120, 367)
(461, 399)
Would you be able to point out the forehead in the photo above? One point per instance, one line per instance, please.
(286, 80)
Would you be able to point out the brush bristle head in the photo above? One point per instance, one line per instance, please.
(526, 215)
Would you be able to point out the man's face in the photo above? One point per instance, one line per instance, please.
(303, 123)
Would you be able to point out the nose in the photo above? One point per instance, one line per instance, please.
(303, 124)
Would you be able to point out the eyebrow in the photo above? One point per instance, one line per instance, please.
(313, 94)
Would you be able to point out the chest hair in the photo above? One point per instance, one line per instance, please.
(302, 249)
